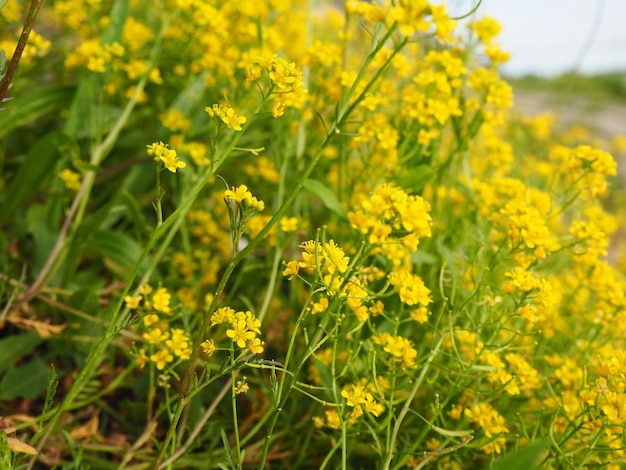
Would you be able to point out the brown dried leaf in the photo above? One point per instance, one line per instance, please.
(45, 330)
(18, 446)
(87, 430)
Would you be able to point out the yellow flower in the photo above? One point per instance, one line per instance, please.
(132, 302)
(332, 419)
(162, 153)
(71, 179)
(161, 300)
(238, 194)
(208, 347)
(171, 161)
(156, 336)
(161, 358)
(222, 315)
(179, 343)
(151, 319)
(256, 346)
(241, 387)
(289, 224)
(278, 109)
(142, 359)
(232, 119)
(291, 269)
(239, 333)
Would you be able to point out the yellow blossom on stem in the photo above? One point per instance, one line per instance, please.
(238, 194)
(232, 119)
(208, 347)
(161, 300)
(156, 336)
(161, 358)
(132, 302)
(239, 333)
(168, 157)
(71, 179)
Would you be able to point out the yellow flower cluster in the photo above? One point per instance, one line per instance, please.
(400, 349)
(243, 328)
(243, 197)
(71, 179)
(165, 155)
(285, 84)
(492, 424)
(415, 16)
(165, 344)
(360, 399)
(37, 47)
(393, 221)
(227, 115)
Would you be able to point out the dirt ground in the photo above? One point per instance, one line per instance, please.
(607, 119)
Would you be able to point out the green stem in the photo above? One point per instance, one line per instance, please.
(159, 196)
(233, 398)
(112, 328)
(409, 401)
(77, 209)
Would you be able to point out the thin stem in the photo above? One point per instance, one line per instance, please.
(84, 191)
(33, 10)
(196, 430)
(409, 401)
(159, 198)
(74, 216)
(233, 399)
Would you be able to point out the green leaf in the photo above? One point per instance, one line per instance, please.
(116, 246)
(5, 452)
(28, 107)
(522, 459)
(451, 432)
(44, 228)
(51, 390)
(2, 4)
(228, 451)
(27, 381)
(415, 178)
(17, 346)
(34, 172)
(117, 19)
(326, 195)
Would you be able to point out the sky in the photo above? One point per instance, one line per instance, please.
(550, 37)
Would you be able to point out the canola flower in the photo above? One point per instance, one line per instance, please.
(472, 282)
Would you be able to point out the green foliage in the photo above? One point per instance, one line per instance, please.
(25, 381)
(246, 236)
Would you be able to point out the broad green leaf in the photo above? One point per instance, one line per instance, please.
(44, 228)
(17, 346)
(34, 172)
(326, 195)
(26, 381)
(135, 215)
(2, 4)
(117, 246)
(117, 19)
(524, 458)
(187, 101)
(415, 179)
(28, 107)
(5, 452)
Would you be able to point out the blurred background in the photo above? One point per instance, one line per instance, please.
(552, 37)
(567, 57)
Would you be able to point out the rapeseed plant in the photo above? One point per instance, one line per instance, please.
(398, 271)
